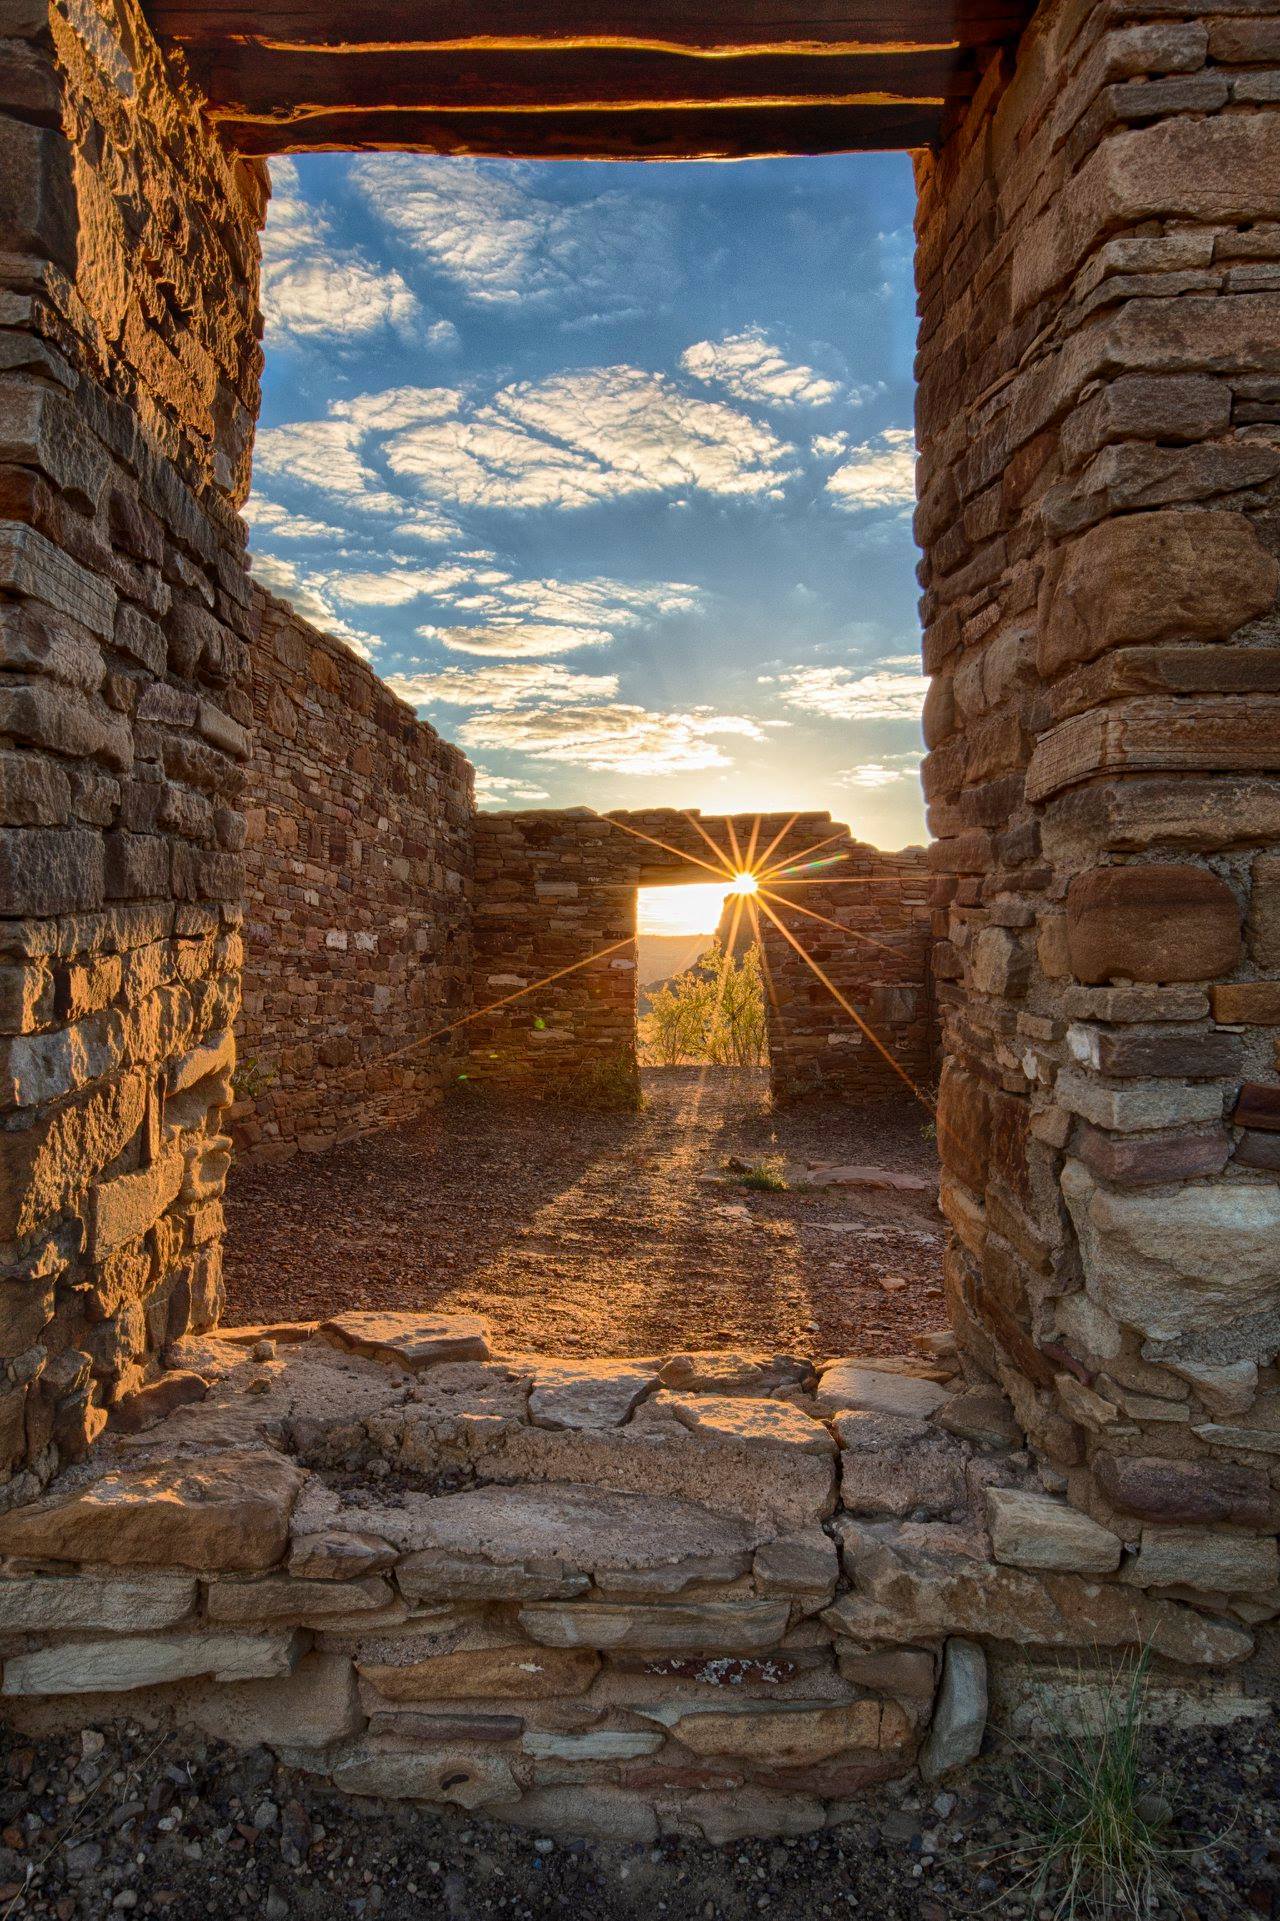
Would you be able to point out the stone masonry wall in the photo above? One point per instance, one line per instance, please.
(707, 1594)
(357, 936)
(555, 889)
(129, 365)
(1099, 424)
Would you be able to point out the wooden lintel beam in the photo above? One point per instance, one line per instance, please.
(728, 27)
(249, 83)
(732, 133)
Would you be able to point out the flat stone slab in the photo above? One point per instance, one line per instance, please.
(587, 1394)
(728, 1627)
(513, 1673)
(226, 1512)
(123, 1662)
(415, 1340)
(531, 1541)
(94, 1603)
(859, 1174)
(872, 1390)
(1035, 1531)
(785, 1733)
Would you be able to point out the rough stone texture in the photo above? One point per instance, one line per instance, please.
(650, 1661)
(555, 895)
(1100, 585)
(129, 367)
(357, 872)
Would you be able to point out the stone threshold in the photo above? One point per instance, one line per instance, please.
(707, 1594)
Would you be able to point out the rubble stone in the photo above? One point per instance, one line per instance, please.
(1034, 1531)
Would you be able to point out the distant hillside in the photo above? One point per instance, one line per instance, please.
(659, 956)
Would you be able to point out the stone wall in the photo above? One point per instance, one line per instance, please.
(555, 902)
(670, 1596)
(1099, 423)
(129, 368)
(357, 935)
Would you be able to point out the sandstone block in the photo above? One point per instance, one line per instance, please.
(1254, 1440)
(960, 1713)
(1155, 1159)
(981, 1414)
(48, 870)
(848, 1385)
(1182, 1491)
(1227, 1389)
(909, 1588)
(1137, 1107)
(711, 1627)
(1184, 573)
(123, 1662)
(1166, 1264)
(1184, 1052)
(283, 1598)
(801, 1567)
(1249, 1003)
(312, 1708)
(227, 1511)
(894, 1464)
(124, 1208)
(515, 1673)
(1171, 922)
(783, 1734)
(586, 1394)
(414, 1340)
(338, 1554)
(1035, 1531)
(1258, 1106)
(907, 1672)
(41, 1604)
(457, 1776)
(1204, 1558)
(596, 1744)
(1264, 911)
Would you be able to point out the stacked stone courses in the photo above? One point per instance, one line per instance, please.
(555, 912)
(1099, 423)
(129, 364)
(358, 854)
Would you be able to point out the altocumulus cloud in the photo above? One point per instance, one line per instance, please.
(502, 789)
(571, 440)
(877, 473)
(612, 737)
(839, 693)
(515, 683)
(887, 772)
(751, 367)
(312, 289)
(500, 241)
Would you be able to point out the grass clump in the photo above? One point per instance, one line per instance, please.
(1100, 1825)
(766, 1176)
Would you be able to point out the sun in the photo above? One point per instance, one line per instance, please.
(743, 884)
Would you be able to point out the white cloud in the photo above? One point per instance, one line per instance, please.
(602, 433)
(882, 773)
(829, 446)
(314, 290)
(613, 737)
(276, 520)
(750, 367)
(515, 683)
(838, 693)
(306, 593)
(500, 788)
(502, 241)
(878, 473)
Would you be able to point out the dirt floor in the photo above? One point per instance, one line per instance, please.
(596, 1233)
(114, 1820)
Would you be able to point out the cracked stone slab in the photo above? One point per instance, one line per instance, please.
(124, 1662)
(854, 1386)
(414, 1340)
(726, 1627)
(227, 1512)
(587, 1394)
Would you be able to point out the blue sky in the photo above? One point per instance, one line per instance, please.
(608, 468)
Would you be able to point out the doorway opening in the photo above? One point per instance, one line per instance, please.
(701, 996)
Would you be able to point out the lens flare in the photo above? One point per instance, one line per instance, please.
(743, 884)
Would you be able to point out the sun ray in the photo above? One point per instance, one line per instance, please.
(849, 1009)
(716, 849)
(839, 925)
(477, 1013)
(675, 852)
(798, 860)
(750, 862)
(777, 840)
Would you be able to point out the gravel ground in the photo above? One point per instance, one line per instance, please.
(597, 1233)
(115, 1820)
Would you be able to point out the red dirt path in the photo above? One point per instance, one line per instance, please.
(597, 1233)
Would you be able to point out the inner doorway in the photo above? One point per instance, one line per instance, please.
(701, 993)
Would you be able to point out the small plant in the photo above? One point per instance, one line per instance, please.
(766, 1176)
(1100, 1825)
(611, 1080)
(251, 1078)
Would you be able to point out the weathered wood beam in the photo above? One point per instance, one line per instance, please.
(699, 133)
(249, 83)
(708, 26)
